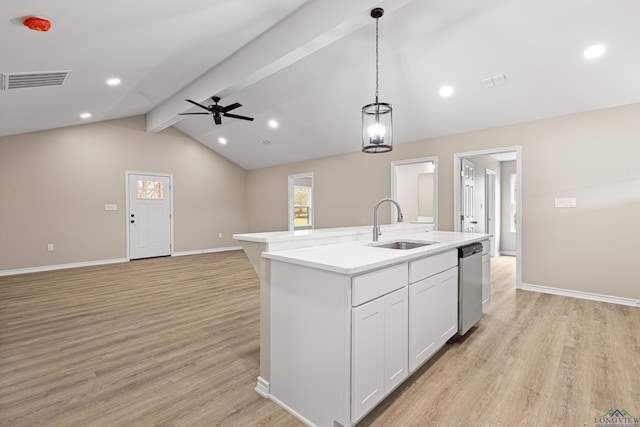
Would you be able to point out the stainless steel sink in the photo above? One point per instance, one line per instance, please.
(402, 245)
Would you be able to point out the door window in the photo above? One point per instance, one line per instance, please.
(150, 190)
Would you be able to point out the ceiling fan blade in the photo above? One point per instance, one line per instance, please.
(185, 114)
(195, 103)
(230, 107)
(235, 116)
(217, 119)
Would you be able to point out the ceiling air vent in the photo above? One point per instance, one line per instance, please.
(43, 78)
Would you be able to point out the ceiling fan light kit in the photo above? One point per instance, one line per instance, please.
(377, 118)
(218, 111)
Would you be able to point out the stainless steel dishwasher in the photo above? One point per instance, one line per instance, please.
(469, 286)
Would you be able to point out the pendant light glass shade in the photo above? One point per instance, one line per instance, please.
(377, 128)
(377, 118)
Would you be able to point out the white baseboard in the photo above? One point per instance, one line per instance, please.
(262, 388)
(208, 251)
(582, 295)
(292, 412)
(104, 262)
(61, 266)
(506, 253)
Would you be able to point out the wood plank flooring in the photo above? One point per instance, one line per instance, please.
(174, 342)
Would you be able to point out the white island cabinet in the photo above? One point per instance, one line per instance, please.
(433, 305)
(379, 336)
(349, 323)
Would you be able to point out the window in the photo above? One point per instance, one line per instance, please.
(300, 201)
(513, 212)
(301, 206)
(150, 190)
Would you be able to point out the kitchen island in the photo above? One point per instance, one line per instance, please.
(350, 321)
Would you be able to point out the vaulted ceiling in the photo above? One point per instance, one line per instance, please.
(310, 65)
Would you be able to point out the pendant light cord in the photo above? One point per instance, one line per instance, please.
(376, 60)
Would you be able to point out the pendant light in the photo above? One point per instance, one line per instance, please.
(377, 123)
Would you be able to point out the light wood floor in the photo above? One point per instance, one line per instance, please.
(174, 342)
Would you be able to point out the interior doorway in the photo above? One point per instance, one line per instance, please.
(414, 185)
(149, 215)
(505, 212)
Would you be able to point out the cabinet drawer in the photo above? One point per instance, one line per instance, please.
(377, 283)
(427, 267)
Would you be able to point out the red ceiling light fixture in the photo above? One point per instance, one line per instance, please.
(37, 24)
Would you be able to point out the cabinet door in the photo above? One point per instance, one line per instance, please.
(422, 338)
(446, 315)
(396, 337)
(486, 280)
(367, 353)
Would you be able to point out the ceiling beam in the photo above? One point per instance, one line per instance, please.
(313, 26)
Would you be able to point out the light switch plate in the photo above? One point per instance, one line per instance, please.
(565, 202)
(111, 207)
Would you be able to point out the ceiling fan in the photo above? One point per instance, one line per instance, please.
(218, 111)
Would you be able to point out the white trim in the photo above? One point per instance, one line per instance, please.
(394, 184)
(207, 251)
(61, 266)
(126, 198)
(506, 253)
(106, 261)
(496, 224)
(457, 162)
(262, 387)
(581, 295)
(292, 411)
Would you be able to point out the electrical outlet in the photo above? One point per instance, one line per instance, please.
(219, 235)
(50, 247)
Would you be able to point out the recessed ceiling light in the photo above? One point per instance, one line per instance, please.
(446, 91)
(114, 81)
(595, 51)
(85, 115)
(273, 124)
(222, 140)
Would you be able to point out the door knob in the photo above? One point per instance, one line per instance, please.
(474, 222)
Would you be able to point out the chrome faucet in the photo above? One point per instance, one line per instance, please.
(376, 227)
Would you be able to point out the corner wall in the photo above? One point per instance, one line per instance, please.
(591, 156)
(54, 185)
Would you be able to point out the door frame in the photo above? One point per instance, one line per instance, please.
(127, 174)
(496, 235)
(394, 184)
(290, 201)
(457, 164)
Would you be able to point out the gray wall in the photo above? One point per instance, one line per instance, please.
(54, 185)
(559, 157)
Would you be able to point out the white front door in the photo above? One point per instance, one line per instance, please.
(467, 216)
(149, 216)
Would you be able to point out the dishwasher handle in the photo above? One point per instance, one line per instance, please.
(468, 250)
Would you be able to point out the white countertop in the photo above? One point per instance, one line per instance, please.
(359, 256)
(323, 233)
